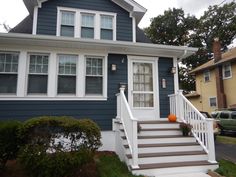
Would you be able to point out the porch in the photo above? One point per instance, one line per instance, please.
(157, 147)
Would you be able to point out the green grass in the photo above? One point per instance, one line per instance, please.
(111, 166)
(226, 139)
(226, 168)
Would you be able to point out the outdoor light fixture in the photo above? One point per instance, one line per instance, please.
(173, 70)
(113, 67)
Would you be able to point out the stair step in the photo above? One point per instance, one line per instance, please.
(160, 129)
(173, 164)
(156, 122)
(162, 136)
(129, 156)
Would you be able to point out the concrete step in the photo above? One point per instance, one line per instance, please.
(158, 124)
(160, 131)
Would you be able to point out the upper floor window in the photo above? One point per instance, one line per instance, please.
(227, 73)
(106, 27)
(207, 76)
(8, 72)
(38, 74)
(67, 74)
(213, 102)
(67, 23)
(86, 24)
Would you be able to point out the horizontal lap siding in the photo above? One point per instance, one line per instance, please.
(47, 15)
(102, 112)
(164, 73)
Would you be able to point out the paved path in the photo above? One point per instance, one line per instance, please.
(226, 151)
(187, 175)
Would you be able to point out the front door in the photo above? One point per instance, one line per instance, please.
(143, 88)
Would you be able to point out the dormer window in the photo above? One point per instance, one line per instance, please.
(80, 23)
(106, 27)
(67, 23)
(87, 26)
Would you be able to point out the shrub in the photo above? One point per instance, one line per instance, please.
(38, 163)
(9, 142)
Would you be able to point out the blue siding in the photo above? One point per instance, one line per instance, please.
(164, 73)
(102, 112)
(47, 15)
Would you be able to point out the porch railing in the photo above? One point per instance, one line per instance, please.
(202, 127)
(129, 124)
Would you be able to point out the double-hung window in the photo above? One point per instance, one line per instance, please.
(67, 23)
(213, 102)
(227, 71)
(8, 72)
(87, 26)
(38, 74)
(207, 76)
(94, 76)
(106, 27)
(67, 74)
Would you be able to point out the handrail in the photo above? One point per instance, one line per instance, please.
(129, 124)
(202, 128)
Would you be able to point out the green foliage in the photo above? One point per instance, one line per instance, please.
(43, 131)
(111, 166)
(9, 142)
(226, 168)
(38, 163)
(177, 28)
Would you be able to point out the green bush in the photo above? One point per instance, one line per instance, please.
(9, 142)
(56, 146)
(38, 163)
(43, 131)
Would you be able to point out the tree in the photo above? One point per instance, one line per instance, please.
(176, 28)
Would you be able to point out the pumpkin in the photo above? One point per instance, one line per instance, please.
(172, 118)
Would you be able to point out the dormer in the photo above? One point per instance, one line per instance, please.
(115, 20)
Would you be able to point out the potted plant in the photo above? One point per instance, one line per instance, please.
(186, 128)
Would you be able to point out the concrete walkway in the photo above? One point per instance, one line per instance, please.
(187, 175)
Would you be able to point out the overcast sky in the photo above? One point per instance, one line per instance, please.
(13, 11)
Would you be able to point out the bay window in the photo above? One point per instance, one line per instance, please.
(87, 26)
(67, 74)
(8, 72)
(94, 76)
(67, 23)
(38, 74)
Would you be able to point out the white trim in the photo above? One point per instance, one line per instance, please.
(223, 70)
(52, 75)
(21, 86)
(134, 29)
(210, 102)
(58, 98)
(176, 75)
(35, 20)
(78, 19)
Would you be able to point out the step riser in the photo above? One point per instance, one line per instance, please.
(178, 170)
(169, 159)
(169, 149)
(162, 126)
(160, 133)
(166, 140)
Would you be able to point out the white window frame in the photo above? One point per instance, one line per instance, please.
(206, 74)
(223, 70)
(15, 73)
(78, 17)
(28, 73)
(210, 102)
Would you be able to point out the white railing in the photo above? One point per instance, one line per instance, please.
(202, 127)
(129, 124)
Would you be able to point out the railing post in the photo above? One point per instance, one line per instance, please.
(135, 146)
(179, 105)
(210, 139)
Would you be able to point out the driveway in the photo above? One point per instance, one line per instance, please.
(226, 151)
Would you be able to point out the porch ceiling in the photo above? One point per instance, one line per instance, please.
(118, 47)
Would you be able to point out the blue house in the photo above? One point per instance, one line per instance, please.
(89, 59)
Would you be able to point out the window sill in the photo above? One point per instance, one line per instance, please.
(225, 78)
(58, 98)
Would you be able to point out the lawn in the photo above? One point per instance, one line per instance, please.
(226, 168)
(107, 164)
(226, 139)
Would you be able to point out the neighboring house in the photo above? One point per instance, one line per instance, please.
(75, 57)
(215, 83)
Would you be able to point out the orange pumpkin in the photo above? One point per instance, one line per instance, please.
(172, 118)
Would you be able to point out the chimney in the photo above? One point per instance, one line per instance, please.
(217, 50)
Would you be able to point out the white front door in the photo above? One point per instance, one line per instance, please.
(142, 88)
